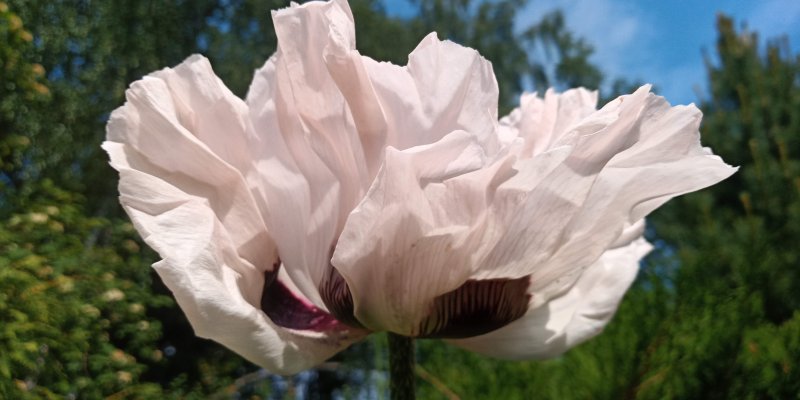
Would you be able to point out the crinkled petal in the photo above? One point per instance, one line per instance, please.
(156, 133)
(207, 109)
(445, 87)
(213, 114)
(333, 112)
(217, 290)
(303, 206)
(312, 165)
(397, 251)
(545, 203)
(571, 318)
(580, 208)
(311, 110)
(543, 122)
(186, 192)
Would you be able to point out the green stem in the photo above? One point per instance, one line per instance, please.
(401, 367)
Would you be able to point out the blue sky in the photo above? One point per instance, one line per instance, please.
(660, 42)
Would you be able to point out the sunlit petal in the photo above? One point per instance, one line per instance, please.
(570, 318)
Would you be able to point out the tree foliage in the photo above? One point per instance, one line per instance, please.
(79, 313)
(74, 321)
(737, 307)
(21, 84)
(92, 51)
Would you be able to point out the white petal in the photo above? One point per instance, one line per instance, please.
(212, 113)
(311, 110)
(667, 161)
(303, 240)
(335, 111)
(151, 133)
(218, 291)
(208, 110)
(445, 87)
(398, 249)
(571, 318)
(543, 122)
(630, 233)
(311, 164)
(195, 208)
(582, 207)
(538, 205)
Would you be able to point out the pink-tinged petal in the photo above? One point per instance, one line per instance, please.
(630, 233)
(209, 111)
(666, 162)
(220, 292)
(311, 110)
(582, 207)
(301, 208)
(153, 133)
(543, 122)
(445, 87)
(311, 163)
(570, 318)
(333, 112)
(398, 251)
(538, 205)
(196, 209)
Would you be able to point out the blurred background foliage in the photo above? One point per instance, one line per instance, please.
(714, 314)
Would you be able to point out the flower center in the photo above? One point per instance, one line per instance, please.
(286, 309)
(337, 297)
(476, 308)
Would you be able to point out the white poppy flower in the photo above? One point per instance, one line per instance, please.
(346, 196)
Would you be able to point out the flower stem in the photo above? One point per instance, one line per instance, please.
(401, 367)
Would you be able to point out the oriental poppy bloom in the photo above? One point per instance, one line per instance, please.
(346, 196)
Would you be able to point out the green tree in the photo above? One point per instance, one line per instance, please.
(79, 312)
(92, 51)
(737, 307)
(74, 322)
(21, 84)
